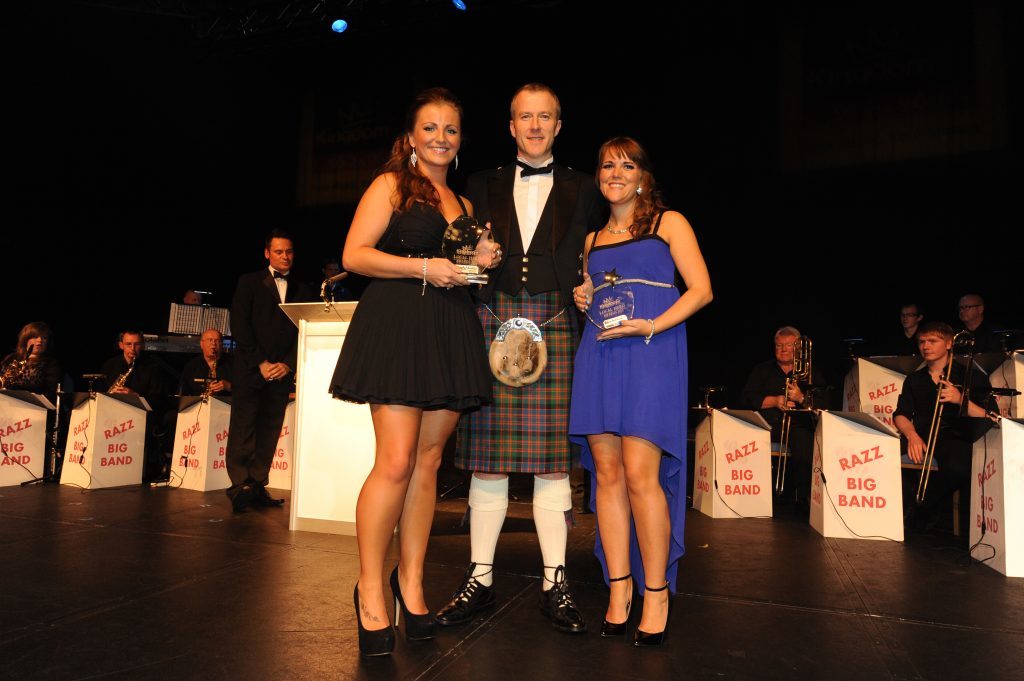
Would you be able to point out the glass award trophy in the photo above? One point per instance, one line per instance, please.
(466, 243)
(613, 301)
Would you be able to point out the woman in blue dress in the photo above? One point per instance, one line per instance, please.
(629, 391)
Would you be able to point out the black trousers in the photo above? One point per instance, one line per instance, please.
(257, 414)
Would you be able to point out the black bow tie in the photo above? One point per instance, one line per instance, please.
(530, 170)
(279, 275)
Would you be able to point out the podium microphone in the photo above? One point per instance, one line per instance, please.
(328, 281)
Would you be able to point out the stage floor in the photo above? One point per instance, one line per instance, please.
(169, 584)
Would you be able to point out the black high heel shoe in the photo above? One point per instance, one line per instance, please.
(643, 639)
(417, 627)
(609, 629)
(373, 643)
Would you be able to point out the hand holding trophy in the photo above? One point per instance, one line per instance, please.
(612, 302)
(471, 247)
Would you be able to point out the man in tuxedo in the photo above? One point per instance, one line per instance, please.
(264, 371)
(542, 211)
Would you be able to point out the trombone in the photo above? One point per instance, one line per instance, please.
(965, 340)
(802, 349)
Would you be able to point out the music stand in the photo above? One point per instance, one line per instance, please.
(21, 442)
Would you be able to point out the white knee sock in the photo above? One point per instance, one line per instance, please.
(488, 502)
(551, 499)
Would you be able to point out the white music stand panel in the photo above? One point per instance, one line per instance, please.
(106, 442)
(997, 473)
(861, 495)
(23, 438)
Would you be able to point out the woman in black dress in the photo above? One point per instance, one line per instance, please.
(414, 352)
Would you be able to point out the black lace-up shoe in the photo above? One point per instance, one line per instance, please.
(470, 599)
(558, 606)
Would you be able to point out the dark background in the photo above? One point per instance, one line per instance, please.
(834, 162)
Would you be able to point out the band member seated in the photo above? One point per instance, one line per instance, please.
(904, 342)
(31, 367)
(766, 391)
(956, 434)
(132, 372)
(210, 372)
(971, 309)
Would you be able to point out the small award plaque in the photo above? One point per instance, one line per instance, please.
(466, 243)
(613, 301)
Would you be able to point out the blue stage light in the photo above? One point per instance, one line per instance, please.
(459, 4)
(339, 25)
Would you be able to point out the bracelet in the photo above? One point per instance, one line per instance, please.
(647, 338)
(423, 292)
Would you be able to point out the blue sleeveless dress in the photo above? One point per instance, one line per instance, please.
(625, 387)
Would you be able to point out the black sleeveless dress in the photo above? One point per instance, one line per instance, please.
(409, 346)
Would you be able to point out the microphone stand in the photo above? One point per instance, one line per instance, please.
(51, 455)
(328, 296)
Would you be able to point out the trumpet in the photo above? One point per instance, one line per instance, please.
(802, 349)
(964, 340)
(122, 379)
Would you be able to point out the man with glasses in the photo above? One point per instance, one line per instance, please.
(766, 391)
(904, 342)
(972, 317)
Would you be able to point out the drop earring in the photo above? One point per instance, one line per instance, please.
(456, 161)
(412, 157)
(639, 190)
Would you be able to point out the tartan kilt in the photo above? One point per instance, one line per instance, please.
(524, 430)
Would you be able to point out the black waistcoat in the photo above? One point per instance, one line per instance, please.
(533, 268)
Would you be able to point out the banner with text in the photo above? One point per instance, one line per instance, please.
(997, 505)
(200, 443)
(733, 471)
(106, 443)
(23, 440)
(856, 489)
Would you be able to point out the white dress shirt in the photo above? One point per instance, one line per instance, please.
(282, 284)
(531, 194)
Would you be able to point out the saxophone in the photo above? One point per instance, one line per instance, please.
(122, 379)
(14, 372)
(208, 390)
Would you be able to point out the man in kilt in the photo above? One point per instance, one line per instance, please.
(541, 211)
